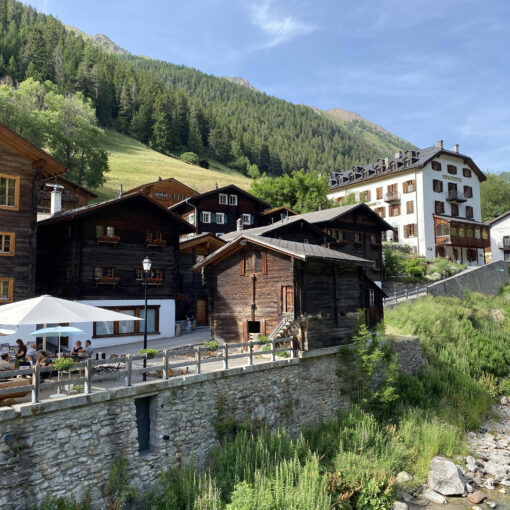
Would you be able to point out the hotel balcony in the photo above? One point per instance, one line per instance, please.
(456, 197)
(392, 197)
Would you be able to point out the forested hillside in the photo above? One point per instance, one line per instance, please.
(175, 108)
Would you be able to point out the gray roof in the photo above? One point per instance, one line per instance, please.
(498, 218)
(300, 251)
(404, 162)
(259, 231)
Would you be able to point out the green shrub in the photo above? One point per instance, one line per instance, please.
(150, 353)
(118, 485)
(190, 157)
(415, 267)
(212, 345)
(393, 263)
(63, 364)
(264, 339)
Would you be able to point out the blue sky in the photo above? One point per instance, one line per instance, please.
(423, 69)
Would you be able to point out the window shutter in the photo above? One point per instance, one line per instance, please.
(245, 331)
(406, 231)
(263, 327)
(201, 215)
(251, 219)
(99, 230)
(264, 262)
(242, 264)
(213, 217)
(280, 297)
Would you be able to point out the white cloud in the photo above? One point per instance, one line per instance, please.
(279, 28)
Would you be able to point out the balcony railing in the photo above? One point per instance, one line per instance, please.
(392, 197)
(456, 196)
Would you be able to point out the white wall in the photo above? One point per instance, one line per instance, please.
(166, 325)
(498, 231)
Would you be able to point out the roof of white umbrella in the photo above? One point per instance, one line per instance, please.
(52, 310)
(6, 332)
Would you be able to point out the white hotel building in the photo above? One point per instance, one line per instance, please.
(431, 197)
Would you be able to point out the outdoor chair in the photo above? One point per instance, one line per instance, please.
(5, 348)
(111, 367)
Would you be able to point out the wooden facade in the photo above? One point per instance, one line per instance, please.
(23, 165)
(277, 214)
(217, 211)
(96, 252)
(73, 195)
(257, 282)
(166, 192)
(193, 293)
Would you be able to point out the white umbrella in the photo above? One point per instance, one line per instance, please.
(52, 310)
(6, 332)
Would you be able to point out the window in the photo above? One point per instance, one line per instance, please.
(9, 191)
(129, 327)
(485, 233)
(153, 236)
(371, 298)
(223, 198)
(379, 193)
(336, 234)
(410, 230)
(154, 274)
(103, 231)
(466, 172)
(339, 200)
(442, 230)
(462, 232)
(437, 186)
(101, 272)
(395, 235)
(220, 218)
(191, 218)
(410, 207)
(477, 233)
(469, 211)
(232, 199)
(246, 218)
(439, 207)
(454, 209)
(161, 195)
(394, 210)
(358, 238)
(143, 423)
(7, 243)
(381, 211)
(469, 232)
(286, 299)
(472, 255)
(409, 186)
(253, 262)
(453, 230)
(506, 240)
(468, 191)
(206, 217)
(436, 165)
(6, 289)
(452, 169)
(364, 196)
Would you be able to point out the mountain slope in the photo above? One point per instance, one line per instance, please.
(132, 164)
(100, 40)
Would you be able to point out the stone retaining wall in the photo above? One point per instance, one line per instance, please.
(66, 446)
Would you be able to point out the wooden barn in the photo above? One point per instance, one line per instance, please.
(167, 192)
(260, 285)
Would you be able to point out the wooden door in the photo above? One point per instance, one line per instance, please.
(201, 311)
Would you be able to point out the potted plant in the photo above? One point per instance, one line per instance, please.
(149, 353)
(61, 364)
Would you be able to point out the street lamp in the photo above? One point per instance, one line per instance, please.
(146, 269)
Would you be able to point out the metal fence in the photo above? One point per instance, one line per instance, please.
(396, 297)
(89, 371)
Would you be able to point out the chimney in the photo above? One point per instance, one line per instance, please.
(121, 193)
(440, 144)
(56, 199)
(398, 155)
(386, 162)
(456, 148)
(239, 224)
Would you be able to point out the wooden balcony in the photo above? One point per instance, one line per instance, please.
(456, 197)
(392, 197)
(467, 242)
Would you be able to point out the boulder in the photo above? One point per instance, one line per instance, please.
(476, 497)
(495, 469)
(445, 477)
(399, 505)
(403, 477)
(434, 497)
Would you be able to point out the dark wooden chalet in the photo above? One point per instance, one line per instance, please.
(96, 252)
(193, 293)
(166, 191)
(23, 165)
(260, 285)
(218, 211)
(277, 214)
(73, 195)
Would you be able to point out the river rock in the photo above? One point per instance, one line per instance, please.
(469, 488)
(495, 469)
(403, 477)
(399, 505)
(503, 400)
(445, 477)
(434, 497)
(476, 497)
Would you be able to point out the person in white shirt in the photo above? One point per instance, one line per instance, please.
(88, 348)
(32, 352)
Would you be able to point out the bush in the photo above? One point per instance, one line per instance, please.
(63, 364)
(415, 267)
(150, 353)
(393, 263)
(212, 345)
(190, 157)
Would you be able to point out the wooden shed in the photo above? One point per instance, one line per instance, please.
(259, 285)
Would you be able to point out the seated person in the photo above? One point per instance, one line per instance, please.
(5, 362)
(32, 352)
(76, 349)
(43, 361)
(88, 348)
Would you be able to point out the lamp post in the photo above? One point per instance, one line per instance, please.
(146, 269)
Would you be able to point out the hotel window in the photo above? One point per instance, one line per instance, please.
(220, 218)
(9, 191)
(364, 196)
(452, 169)
(453, 230)
(485, 233)
(437, 186)
(223, 198)
(454, 209)
(466, 172)
(378, 193)
(409, 186)
(436, 165)
(410, 207)
(410, 230)
(468, 191)
(442, 230)
(477, 233)
(394, 210)
(7, 243)
(462, 232)
(381, 211)
(206, 217)
(469, 232)
(439, 207)
(469, 211)
(232, 199)
(247, 219)
(116, 328)
(6, 290)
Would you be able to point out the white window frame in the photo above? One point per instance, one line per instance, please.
(206, 214)
(191, 219)
(222, 216)
(232, 200)
(245, 217)
(223, 199)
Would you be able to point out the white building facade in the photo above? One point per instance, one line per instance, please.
(431, 197)
(500, 237)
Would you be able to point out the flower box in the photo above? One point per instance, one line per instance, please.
(155, 243)
(155, 282)
(107, 280)
(113, 240)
